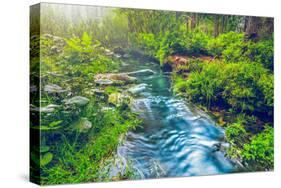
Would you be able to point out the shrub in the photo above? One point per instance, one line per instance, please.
(197, 42)
(236, 135)
(259, 153)
(149, 43)
(171, 43)
(234, 52)
(217, 45)
(262, 52)
(205, 86)
(242, 86)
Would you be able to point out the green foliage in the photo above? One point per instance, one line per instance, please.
(204, 87)
(149, 43)
(232, 47)
(240, 82)
(111, 89)
(162, 45)
(196, 42)
(217, 45)
(195, 65)
(236, 135)
(46, 159)
(70, 155)
(242, 86)
(113, 30)
(260, 151)
(262, 52)
(82, 164)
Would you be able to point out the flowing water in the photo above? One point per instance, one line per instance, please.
(175, 139)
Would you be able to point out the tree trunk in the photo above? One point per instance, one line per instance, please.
(193, 21)
(253, 26)
(216, 25)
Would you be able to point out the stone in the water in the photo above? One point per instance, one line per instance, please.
(117, 55)
(113, 79)
(126, 55)
(78, 100)
(48, 109)
(124, 64)
(82, 125)
(54, 74)
(137, 89)
(58, 39)
(143, 72)
(104, 82)
(98, 91)
(108, 52)
(48, 36)
(55, 49)
(53, 88)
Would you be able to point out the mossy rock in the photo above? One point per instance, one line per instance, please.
(119, 99)
(83, 125)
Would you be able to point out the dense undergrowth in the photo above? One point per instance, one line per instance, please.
(79, 126)
(77, 132)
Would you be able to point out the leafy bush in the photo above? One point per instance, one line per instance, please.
(196, 42)
(234, 52)
(233, 48)
(262, 52)
(148, 42)
(236, 135)
(162, 45)
(242, 86)
(260, 151)
(203, 87)
(171, 43)
(217, 45)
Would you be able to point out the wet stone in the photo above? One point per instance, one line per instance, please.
(77, 100)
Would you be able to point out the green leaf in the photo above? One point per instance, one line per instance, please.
(46, 159)
(44, 149)
(55, 123)
(45, 128)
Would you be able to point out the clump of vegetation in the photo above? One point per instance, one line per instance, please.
(259, 152)
(241, 86)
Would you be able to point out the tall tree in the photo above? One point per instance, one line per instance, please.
(193, 21)
(252, 27)
(258, 27)
(216, 25)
